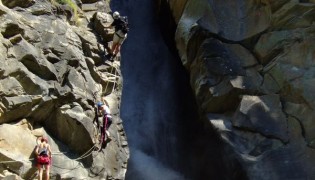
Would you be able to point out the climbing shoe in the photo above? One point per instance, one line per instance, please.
(112, 58)
(108, 139)
(108, 56)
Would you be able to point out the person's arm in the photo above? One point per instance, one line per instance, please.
(107, 110)
(49, 150)
(104, 101)
(113, 23)
(36, 150)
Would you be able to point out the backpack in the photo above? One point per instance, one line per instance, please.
(123, 24)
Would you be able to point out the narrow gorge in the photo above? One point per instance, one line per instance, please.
(202, 89)
(249, 114)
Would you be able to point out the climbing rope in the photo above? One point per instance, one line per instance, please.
(107, 82)
(114, 82)
(84, 155)
(30, 159)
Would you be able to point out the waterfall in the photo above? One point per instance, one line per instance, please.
(152, 105)
(158, 109)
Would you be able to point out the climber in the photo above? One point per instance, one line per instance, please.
(43, 153)
(121, 29)
(104, 111)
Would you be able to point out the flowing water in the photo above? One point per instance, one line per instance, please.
(158, 109)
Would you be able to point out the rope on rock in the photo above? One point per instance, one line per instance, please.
(86, 154)
(107, 82)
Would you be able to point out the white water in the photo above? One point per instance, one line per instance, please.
(151, 109)
(167, 140)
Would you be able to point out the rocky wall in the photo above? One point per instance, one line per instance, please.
(251, 67)
(52, 71)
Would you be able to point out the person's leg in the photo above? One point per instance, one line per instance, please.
(115, 42)
(102, 134)
(109, 122)
(107, 133)
(114, 47)
(117, 49)
(47, 167)
(119, 43)
(40, 172)
(105, 126)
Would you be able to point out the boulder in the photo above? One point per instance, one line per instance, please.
(33, 60)
(274, 79)
(249, 143)
(276, 5)
(228, 19)
(82, 85)
(102, 22)
(293, 161)
(293, 15)
(72, 127)
(18, 145)
(43, 106)
(2, 57)
(219, 60)
(31, 83)
(11, 28)
(16, 108)
(3, 9)
(217, 71)
(236, 21)
(41, 8)
(88, 1)
(18, 3)
(11, 87)
(91, 47)
(9, 176)
(303, 114)
(262, 114)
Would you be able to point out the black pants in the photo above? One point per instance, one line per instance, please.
(107, 121)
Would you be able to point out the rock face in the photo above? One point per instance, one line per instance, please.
(251, 67)
(52, 71)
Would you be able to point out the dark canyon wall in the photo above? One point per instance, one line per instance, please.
(251, 66)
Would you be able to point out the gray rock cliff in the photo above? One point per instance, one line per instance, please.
(52, 71)
(251, 66)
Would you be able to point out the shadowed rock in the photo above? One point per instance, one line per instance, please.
(262, 114)
(272, 100)
(16, 108)
(19, 3)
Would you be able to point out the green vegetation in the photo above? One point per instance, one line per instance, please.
(73, 6)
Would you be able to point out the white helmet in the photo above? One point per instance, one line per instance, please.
(116, 15)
